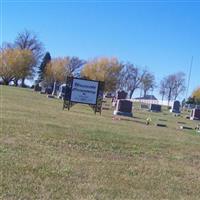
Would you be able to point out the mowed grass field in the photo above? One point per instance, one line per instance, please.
(48, 153)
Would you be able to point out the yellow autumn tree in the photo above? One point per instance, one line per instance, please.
(57, 71)
(103, 69)
(15, 64)
(196, 95)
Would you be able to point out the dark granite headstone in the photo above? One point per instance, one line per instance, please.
(195, 114)
(124, 107)
(155, 108)
(161, 125)
(176, 107)
(121, 95)
(186, 127)
(50, 96)
(48, 90)
(37, 88)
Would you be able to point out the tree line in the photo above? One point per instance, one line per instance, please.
(25, 58)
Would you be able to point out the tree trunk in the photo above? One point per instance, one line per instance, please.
(6, 81)
(169, 96)
(54, 88)
(16, 82)
(145, 93)
(23, 82)
(163, 97)
(131, 93)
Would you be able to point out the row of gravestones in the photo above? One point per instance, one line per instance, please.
(43, 90)
(157, 107)
(195, 113)
(124, 107)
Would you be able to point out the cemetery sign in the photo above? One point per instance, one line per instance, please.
(83, 91)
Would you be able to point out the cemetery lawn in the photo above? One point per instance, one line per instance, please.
(48, 153)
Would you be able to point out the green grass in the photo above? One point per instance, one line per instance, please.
(48, 153)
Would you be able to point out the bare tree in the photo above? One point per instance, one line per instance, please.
(163, 88)
(148, 82)
(172, 86)
(179, 85)
(170, 83)
(74, 65)
(28, 40)
(131, 78)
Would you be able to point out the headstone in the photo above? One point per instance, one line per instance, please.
(176, 107)
(186, 127)
(124, 107)
(114, 102)
(162, 120)
(161, 125)
(195, 114)
(50, 96)
(37, 88)
(181, 123)
(144, 106)
(61, 92)
(155, 108)
(48, 90)
(121, 95)
(106, 106)
(43, 90)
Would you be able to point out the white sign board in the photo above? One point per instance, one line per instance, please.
(84, 91)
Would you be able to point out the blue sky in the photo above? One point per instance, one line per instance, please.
(161, 36)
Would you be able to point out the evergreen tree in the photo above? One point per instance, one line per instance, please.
(45, 61)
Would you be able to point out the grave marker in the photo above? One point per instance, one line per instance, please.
(124, 107)
(161, 125)
(144, 106)
(155, 108)
(37, 88)
(195, 114)
(176, 107)
(121, 95)
(186, 127)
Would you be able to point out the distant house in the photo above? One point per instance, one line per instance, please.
(149, 99)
